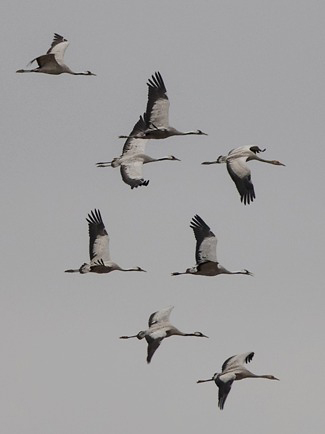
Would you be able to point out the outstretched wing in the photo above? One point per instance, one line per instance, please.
(131, 173)
(43, 60)
(134, 146)
(238, 360)
(224, 383)
(157, 112)
(58, 47)
(160, 316)
(206, 241)
(153, 345)
(241, 175)
(98, 237)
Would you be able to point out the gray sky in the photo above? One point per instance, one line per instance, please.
(245, 72)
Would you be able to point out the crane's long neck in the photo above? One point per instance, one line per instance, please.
(256, 157)
(267, 376)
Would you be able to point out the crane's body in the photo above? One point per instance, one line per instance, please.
(206, 252)
(233, 369)
(52, 62)
(156, 117)
(159, 328)
(239, 171)
(100, 259)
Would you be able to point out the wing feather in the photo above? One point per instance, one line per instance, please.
(58, 47)
(241, 175)
(134, 146)
(206, 241)
(237, 360)
(224, 383)
(153, 345)
(131, 173)
(157, 112)
(160, 316)
(98, 237)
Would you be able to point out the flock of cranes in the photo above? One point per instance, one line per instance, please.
(154, 125)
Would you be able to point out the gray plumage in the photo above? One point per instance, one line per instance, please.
(239, 171)
(159, 328)
(100, 259)
(206, 252)
(233, 369)
(52, 62)
(156, 116)
(133, 158)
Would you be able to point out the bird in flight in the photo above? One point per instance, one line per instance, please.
(52, 62)
(233, 369)
(239, 171)
(156, 117)
(159, 329)
(100, 259)
(133, 158)
(206, 252)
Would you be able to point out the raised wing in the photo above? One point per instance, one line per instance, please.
(224, 383)
(58, 47)
(241, 175)
(132, 173)
(206, 241)
(157, 113)
(98, 237)
(134, 146)
(238, 360)
(43, 60)
(160, 316)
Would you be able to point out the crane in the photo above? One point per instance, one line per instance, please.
(239, 171)
(156, 116)
(206, 252)
(133, 158)
(52, 61)
(160, 328)
(100, 260)
(233, 369)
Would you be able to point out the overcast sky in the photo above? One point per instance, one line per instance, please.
(244, 72)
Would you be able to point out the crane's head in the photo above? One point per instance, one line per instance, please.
(140, 269)
(90, 73)
(271, 377)
(200, 335)
(277, 163)
(201, 133)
